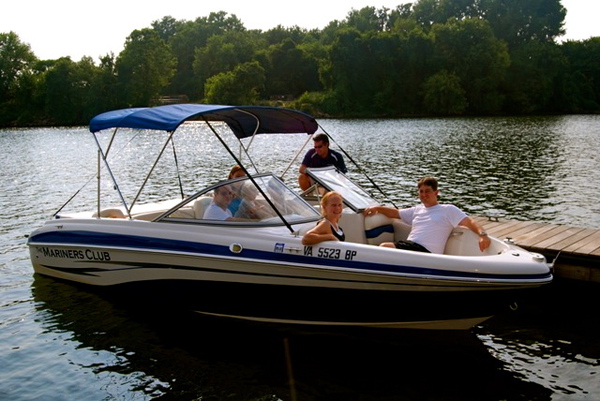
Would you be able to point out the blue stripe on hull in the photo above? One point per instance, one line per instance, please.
(105, 240)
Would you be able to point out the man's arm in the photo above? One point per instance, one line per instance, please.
(386, 211)
(304, 180)
(340, 164)
(471, 224)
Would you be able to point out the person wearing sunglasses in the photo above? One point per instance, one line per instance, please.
(319, 156)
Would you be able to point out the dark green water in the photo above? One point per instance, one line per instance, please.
(61, 342)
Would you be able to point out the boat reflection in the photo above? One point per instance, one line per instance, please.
(186, 356)
(552, 341)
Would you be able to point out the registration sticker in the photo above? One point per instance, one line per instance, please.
(279, 247)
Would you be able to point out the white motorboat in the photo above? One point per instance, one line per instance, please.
(254, 266)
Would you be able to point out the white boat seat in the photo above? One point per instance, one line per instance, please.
(112, 213)
(401, 230)
(464, 242)
(200, 206)
(379, 228)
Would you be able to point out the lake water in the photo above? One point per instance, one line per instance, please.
(59, 342)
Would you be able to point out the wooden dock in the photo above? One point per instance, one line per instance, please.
(578, 249)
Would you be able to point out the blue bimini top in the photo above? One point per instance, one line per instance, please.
(244, 121)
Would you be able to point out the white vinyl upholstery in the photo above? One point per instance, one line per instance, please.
(200, 206)
(112, 213)
(379, 228)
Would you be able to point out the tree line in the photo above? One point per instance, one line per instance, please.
(430, 57)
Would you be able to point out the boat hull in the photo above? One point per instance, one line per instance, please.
(294, 287)
(442, 310)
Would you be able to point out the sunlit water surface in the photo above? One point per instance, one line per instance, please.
(61, 342)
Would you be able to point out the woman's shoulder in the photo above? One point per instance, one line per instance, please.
(322, 224)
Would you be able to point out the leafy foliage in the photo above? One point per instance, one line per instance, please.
(242, 85)
(442, 57)
(144, 67)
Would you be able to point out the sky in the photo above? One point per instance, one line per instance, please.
(77, 28)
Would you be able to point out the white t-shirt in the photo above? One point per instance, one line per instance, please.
(431, 226)
(214, 212)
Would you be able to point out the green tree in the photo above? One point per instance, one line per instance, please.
(521, 21)
(224, 52)
(402, 21)
(68, 91)
(167, 27)
(16, 63)
(431, 12)
(385, 51)
(579, 89)
(347, 73)
(16, 59)
(104, 89)
(531, 78)
(144, 67)
(368, 19)
(290, 70)
(280, 34)
(443, 94)
(193, 35)
(469, 49)
(242, 85)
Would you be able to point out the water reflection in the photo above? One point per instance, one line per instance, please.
(547, 341)
(483, 164)
(145, 352)
(64, 339)
(525, 168)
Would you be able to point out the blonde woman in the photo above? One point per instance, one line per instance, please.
(327, 229)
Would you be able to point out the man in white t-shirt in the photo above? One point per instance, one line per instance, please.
(217, 210)
(431, 221)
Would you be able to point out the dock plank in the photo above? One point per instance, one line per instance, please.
(505, 227)
(515, 230)
(591, 246)
(592, 238)
(538, 235)
(491, 225)
(565, 235)
(581, 245)
(576, 241)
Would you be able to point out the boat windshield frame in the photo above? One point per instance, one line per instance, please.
(330, 178)
(291, 207)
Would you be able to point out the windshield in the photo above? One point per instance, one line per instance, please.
(333, 180)
(241, 201)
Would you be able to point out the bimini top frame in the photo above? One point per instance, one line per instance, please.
(244, 121)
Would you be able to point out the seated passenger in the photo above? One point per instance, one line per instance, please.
(249, 208)
(217, 210)
(319, 156)
(327, 229)
(432, 222)
(235, 172)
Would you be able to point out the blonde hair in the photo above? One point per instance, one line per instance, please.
(325, 199)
